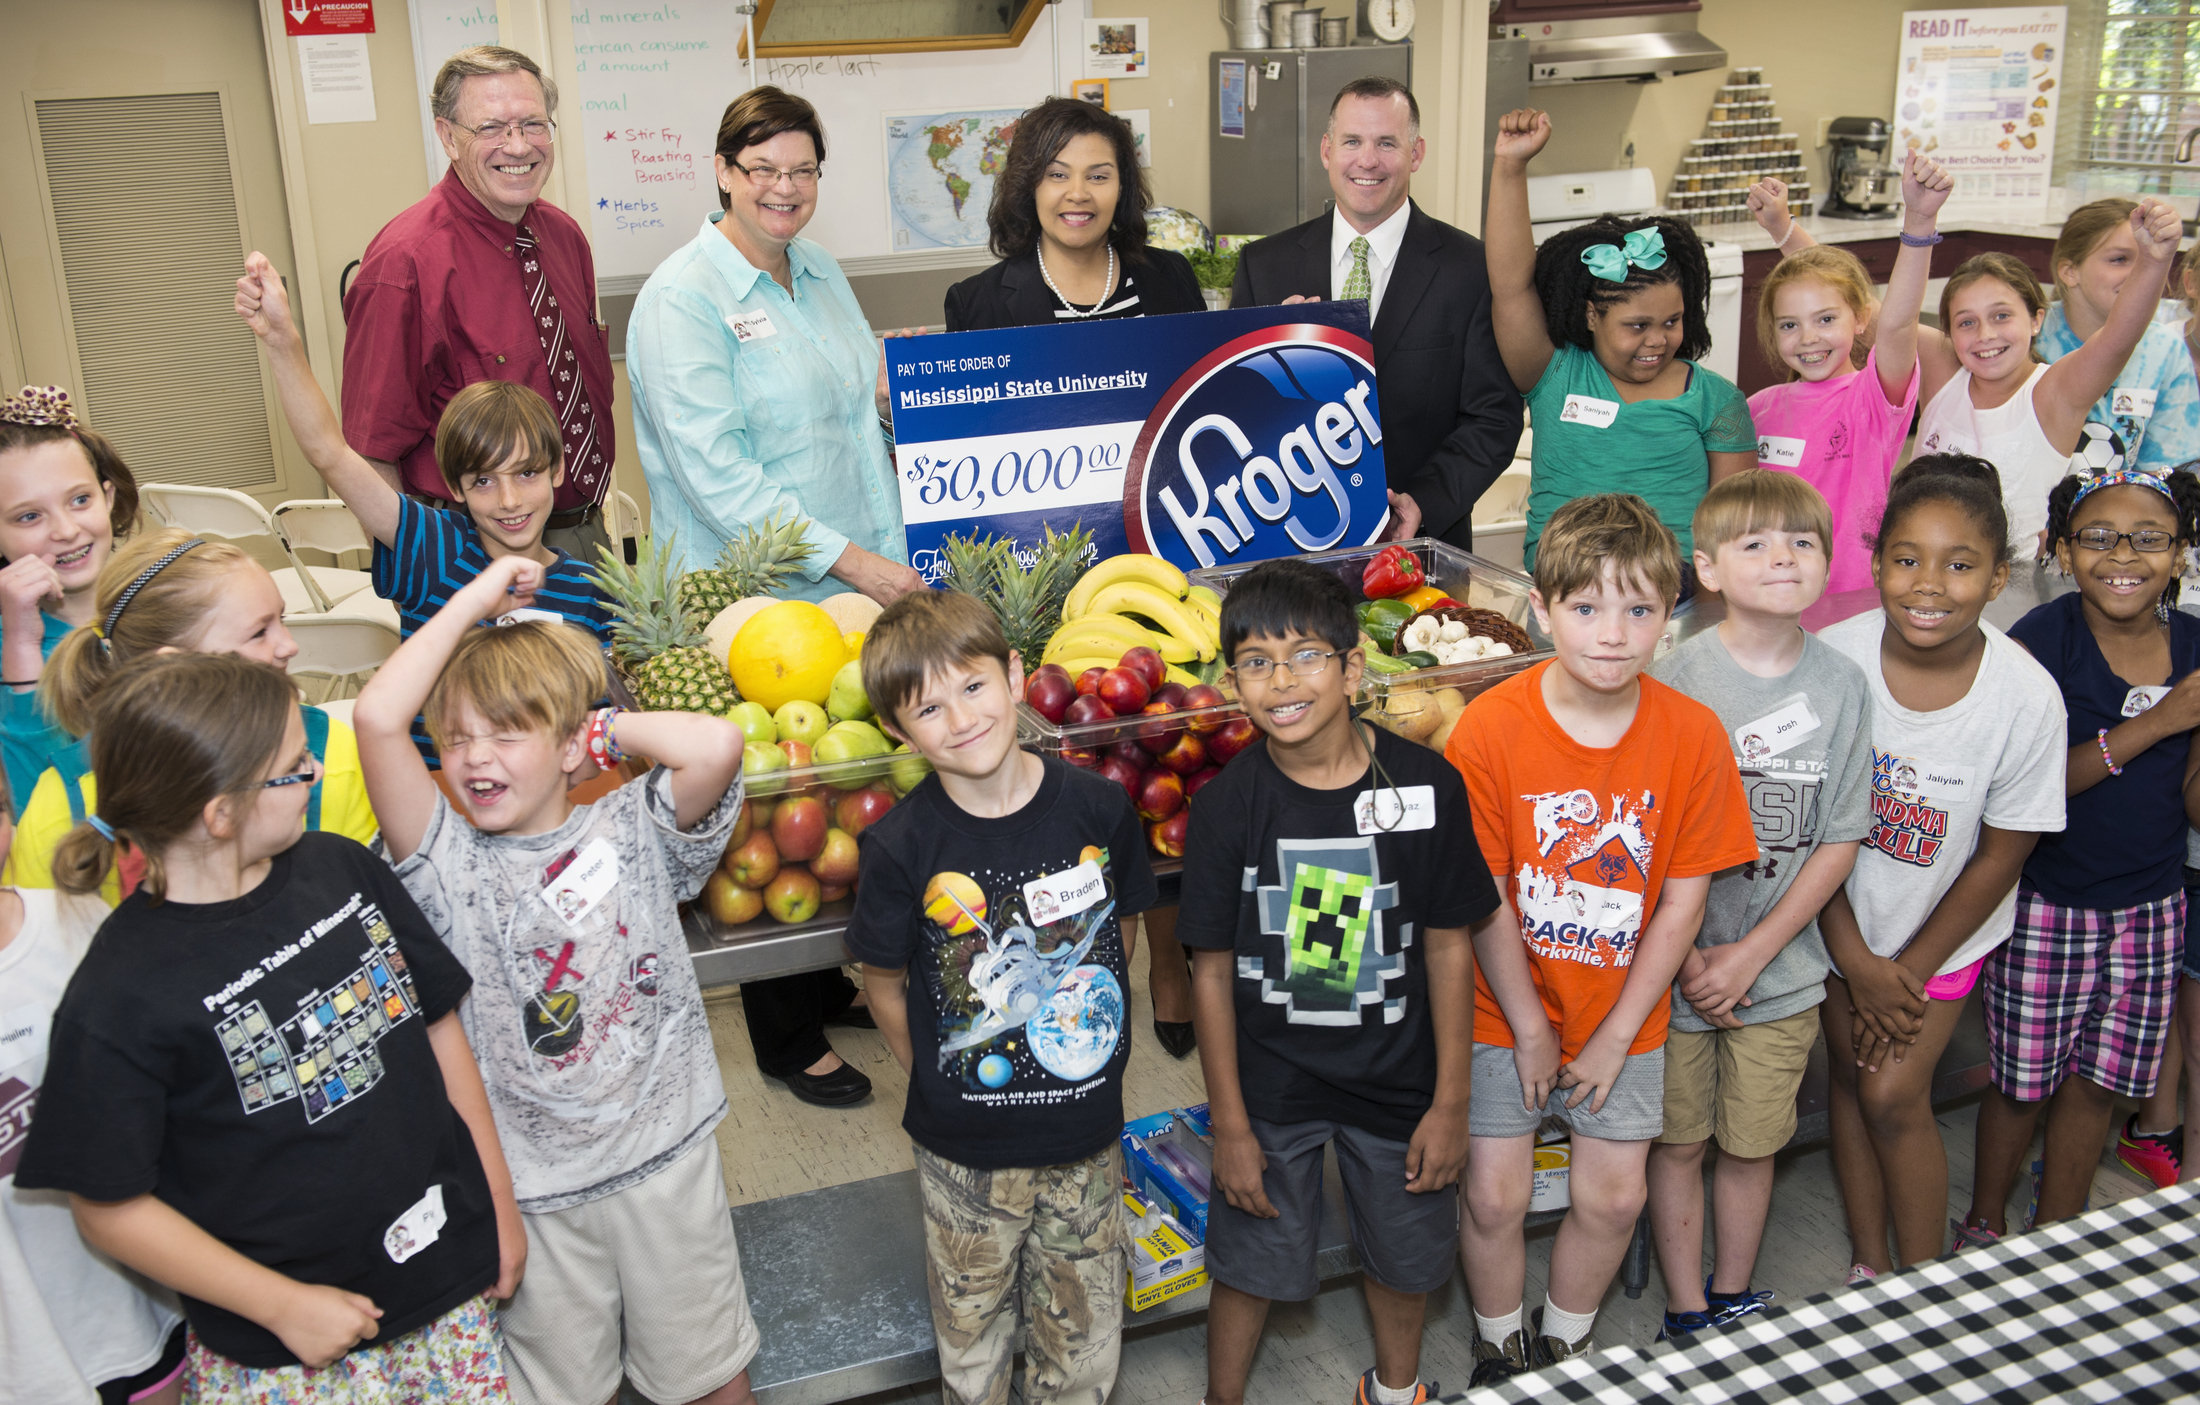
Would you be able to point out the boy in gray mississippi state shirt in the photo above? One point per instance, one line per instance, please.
(1745, 1006)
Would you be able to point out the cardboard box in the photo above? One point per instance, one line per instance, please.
(1553, 1161)
(1170, 1163)
(1165, 1261)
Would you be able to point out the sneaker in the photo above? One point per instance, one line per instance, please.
(2159, 1156)
(1858, 1274)
(1971, 1236)
(2032, 1212)
(1549, 1351)
(1728, 1307)
(1494, 1363)
(1423, 1391)
(1683, 1324)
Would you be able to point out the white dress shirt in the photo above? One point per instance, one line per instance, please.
(1382, 254)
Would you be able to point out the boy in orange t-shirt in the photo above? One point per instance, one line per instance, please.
(1603, 802)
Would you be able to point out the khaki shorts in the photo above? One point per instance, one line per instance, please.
(645, 1282)
(1739, 1084)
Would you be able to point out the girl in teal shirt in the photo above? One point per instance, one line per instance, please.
(1599, 330)
(65, 495)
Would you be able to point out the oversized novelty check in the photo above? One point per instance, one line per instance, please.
(1206, 438)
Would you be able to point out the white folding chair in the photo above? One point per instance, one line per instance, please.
(341, 647)
(321, 524)
(232, 516)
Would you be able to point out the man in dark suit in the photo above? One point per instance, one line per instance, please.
(1451, 417)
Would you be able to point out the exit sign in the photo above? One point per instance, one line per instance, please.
(328, 16)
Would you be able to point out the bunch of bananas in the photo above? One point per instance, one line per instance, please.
(1139, 601)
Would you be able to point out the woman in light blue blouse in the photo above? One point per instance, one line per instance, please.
(2154, 407)
(757, 383)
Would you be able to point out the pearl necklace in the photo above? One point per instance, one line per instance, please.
(1105, 288)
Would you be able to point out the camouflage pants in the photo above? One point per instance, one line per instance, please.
(1038, 1247)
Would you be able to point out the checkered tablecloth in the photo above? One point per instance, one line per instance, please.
(2103, 1307)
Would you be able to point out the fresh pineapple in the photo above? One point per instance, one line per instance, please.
(1026, 598)
(657, 644)
(756, 562)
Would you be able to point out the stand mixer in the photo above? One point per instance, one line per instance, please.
(1859, 183)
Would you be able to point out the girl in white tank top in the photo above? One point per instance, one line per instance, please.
(1985, 394)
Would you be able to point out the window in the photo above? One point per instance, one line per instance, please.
(2135, 68)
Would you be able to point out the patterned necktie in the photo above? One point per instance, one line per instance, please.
(584, 465)
(1357, 284)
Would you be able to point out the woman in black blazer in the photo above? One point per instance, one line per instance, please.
(1069, 226)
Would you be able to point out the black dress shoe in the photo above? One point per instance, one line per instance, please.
(1175, 1037)
(855, 1017)
(845, 1086)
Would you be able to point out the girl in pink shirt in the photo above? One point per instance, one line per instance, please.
(1840, 421)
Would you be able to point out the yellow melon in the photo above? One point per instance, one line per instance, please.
(787, 651)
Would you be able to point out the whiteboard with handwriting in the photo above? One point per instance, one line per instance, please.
(655, 79)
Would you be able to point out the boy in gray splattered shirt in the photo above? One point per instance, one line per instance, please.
(1745, 1005)
(585, 1013)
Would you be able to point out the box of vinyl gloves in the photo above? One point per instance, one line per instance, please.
(1165, 1260)
(1554, 1151)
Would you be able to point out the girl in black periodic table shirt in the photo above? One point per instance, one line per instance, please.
(258, 1092)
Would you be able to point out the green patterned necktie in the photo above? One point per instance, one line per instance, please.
(1356, 283)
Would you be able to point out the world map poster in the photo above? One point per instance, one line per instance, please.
(939, 175)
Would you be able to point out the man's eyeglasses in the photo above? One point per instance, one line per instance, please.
(534, 129)
(2102, 539)
(765, 177)
(1306, 663)
(308, 776)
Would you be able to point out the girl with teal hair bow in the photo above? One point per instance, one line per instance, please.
(1601, 329)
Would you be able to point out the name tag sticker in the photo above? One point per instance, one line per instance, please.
(2138, 700)
(1064, 894)
(574, 893)
(2137, 401)
(1395, 810)
(1929, 780)
(525, 616)
(417, 1228)
(1583, 409)
(751, 326)
(1776, 731)
(1780, 451)
(23, 1033)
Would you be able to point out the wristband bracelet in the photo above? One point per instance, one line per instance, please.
(603, 746)
(2110, 761)
(18, 682)
(1919, 241)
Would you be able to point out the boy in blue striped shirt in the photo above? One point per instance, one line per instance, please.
(500, 453)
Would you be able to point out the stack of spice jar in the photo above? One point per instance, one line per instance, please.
(1741, 145)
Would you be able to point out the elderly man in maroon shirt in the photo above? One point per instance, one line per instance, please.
(482, 280)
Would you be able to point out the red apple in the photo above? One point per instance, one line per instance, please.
(743, 825)
(1186, 754)
(798, 830)
(1170, 693)
(1157, 736)
(1147, 664)
(1122, 772)
(755, 863)
(1088, 682)
(1197, 780)
(1203, 696)
(1159, 795)
(1129, 751)
(1224, 745)
(730, 903)
(835, 864)
(760, 813)
(1084, 758)
(798, 753)
(858, 810)
(831, 894)
(1087, 708)
(1051, 693)
(1167, 836)
(793, 896)
(1124, 690)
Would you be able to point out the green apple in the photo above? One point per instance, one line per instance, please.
(856, 741)
(800, 721)
(755, 721)
(908, 770)
(848, 702)
(758, 761)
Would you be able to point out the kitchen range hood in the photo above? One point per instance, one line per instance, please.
(1618, 41)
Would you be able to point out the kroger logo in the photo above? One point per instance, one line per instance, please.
(1270, 446)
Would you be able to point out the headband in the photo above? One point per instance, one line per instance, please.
(2122, 477)
(1644, 248)
(122, 602)
(39, 404)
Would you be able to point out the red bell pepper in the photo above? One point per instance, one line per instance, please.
(1394, 571)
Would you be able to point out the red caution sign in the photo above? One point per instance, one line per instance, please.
(328, 17)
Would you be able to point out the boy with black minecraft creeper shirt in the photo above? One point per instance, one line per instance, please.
(1330, 876)
(989, 922)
